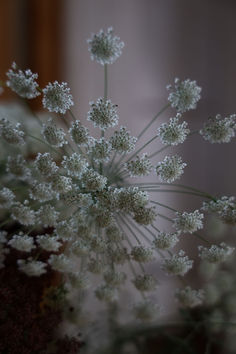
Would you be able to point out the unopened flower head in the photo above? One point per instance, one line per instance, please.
(104, 47)
(75, 165)
(122, 142)
(215, 254)
(23, 82)
(79, 134)
(57, 97)
(10, 133)
(140, 167)
(184, 95)
(22, 242)
(173, 133)
(103, 114)
(31, 267)
(219, 130)
(188, 222)
(189, 297)
(146, 310)
(225, 208)
(145, 282)
(53, 135)
(165, 240)
(178, 264)
(170, 169)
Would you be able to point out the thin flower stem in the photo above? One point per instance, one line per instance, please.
(163, 205)
(155, 228)
(5, 222)
(174, 191)
(72, 115)
(153, 120)
(130, 230)
(158, 152)
(43, 142)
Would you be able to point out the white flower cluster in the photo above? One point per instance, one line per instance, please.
(166, 240)
(189, 297)
(170, 169)
(57, 97)
(122, 142)
(140, 167)
(173, 133)
(104, 47)
(225, 208)
(177, 264)
(188, 222)
(215, 254)
(103, 114)
(12, 135)
(219, 130)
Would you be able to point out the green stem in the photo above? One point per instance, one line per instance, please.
(158, 152)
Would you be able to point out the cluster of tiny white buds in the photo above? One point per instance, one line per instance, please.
(118, 255)
(103, 114)
(184, 95)
(42, 192)
(47, 215)
(215, 254)
(145, 282)
(100, 150)
(53, 135)
(61, 184)
(81, 247)
(95, 266)
(122, 142)
(31, 268)
(6, 197)
(170, 169)
(177, 264)
(131, 199)
(23, 82)
(140, 167)
(79, 134)
(57, 97)
(22, 242)
(98, 244)
(23, 214)
(145, 216)
(218, 129)
(104, 47)
(65, 230)
(10, 133)
(45, 164)
(146, 310)
(74, 197)
(114, 234)
(114, 278)
(16, 166)
(189, 297)
(166, 240)
(142, 254)
(79, 280)
(173, 133)
(93, 181)
(75, 165)
(188, 222)
(225, 208)
(48, 243)
(106, 293)
(60, 263)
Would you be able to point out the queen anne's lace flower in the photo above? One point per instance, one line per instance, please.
(188, 222)
(166, 240)
(103, 114)
(140, 167)
(16, 166)
(23, 82)
(114, 278)
(60, 262)
(48, 242)
(47, 215)
(65, 230)
(122, 142)
(219, 130)
(225, 208)
(106, 293)
(145, 282)
(12, 135)
(81, 247)
(114, 234)
(173, 133)
(184, 95)
(142, 254)
(130, 199)
(75, 165)
(45, 164)
(104, 47)
(118, 255)
(178, 264)
(145, 216)
(23, 214)
(6, 197)
(100, 150)
(79, 280)
(22, 242)
(93, 181)
(53, 135)
(61, 184)
(170, 169)
(57, 97)
(31, 267)
(146, 310)
(188, 297)
(79, 134)
(215, 254)
(95, 266)
(42, 192)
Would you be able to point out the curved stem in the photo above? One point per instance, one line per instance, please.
(43, 142)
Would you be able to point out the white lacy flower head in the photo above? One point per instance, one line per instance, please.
(146, 310)
(16, 166)
(42, 192)
(189, 297)
(95, 266)
(215, 254)
(79, 134)
(57, 97)
(23, 82)
(188, 222)
(31, 267)
(48, 242)
(140, 167)
(12, 135)
(225, 208)
(47, 215)
(103, 114)
(122, 142)
(106, 293)
(93, 181)
(61, 184)
(75, 165)
(114, 278)
(65, 229)
(177, 264)
(100, 150)
(130, 199)
(22, 242)
(81, 247)
(53, 135)
(145, 282)
(60, 263)
(45, 164)
(165, 240)
(173, 133)
(104, 47)
(6, 197)
(142, 254)
(170, 169)
(219, 130)
(79, 280)
(114, 233)
(145, 216)
(184, 95)
(23, 213)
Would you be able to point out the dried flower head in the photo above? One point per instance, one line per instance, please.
(103, 114)
(122, 142)
(57, 97)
